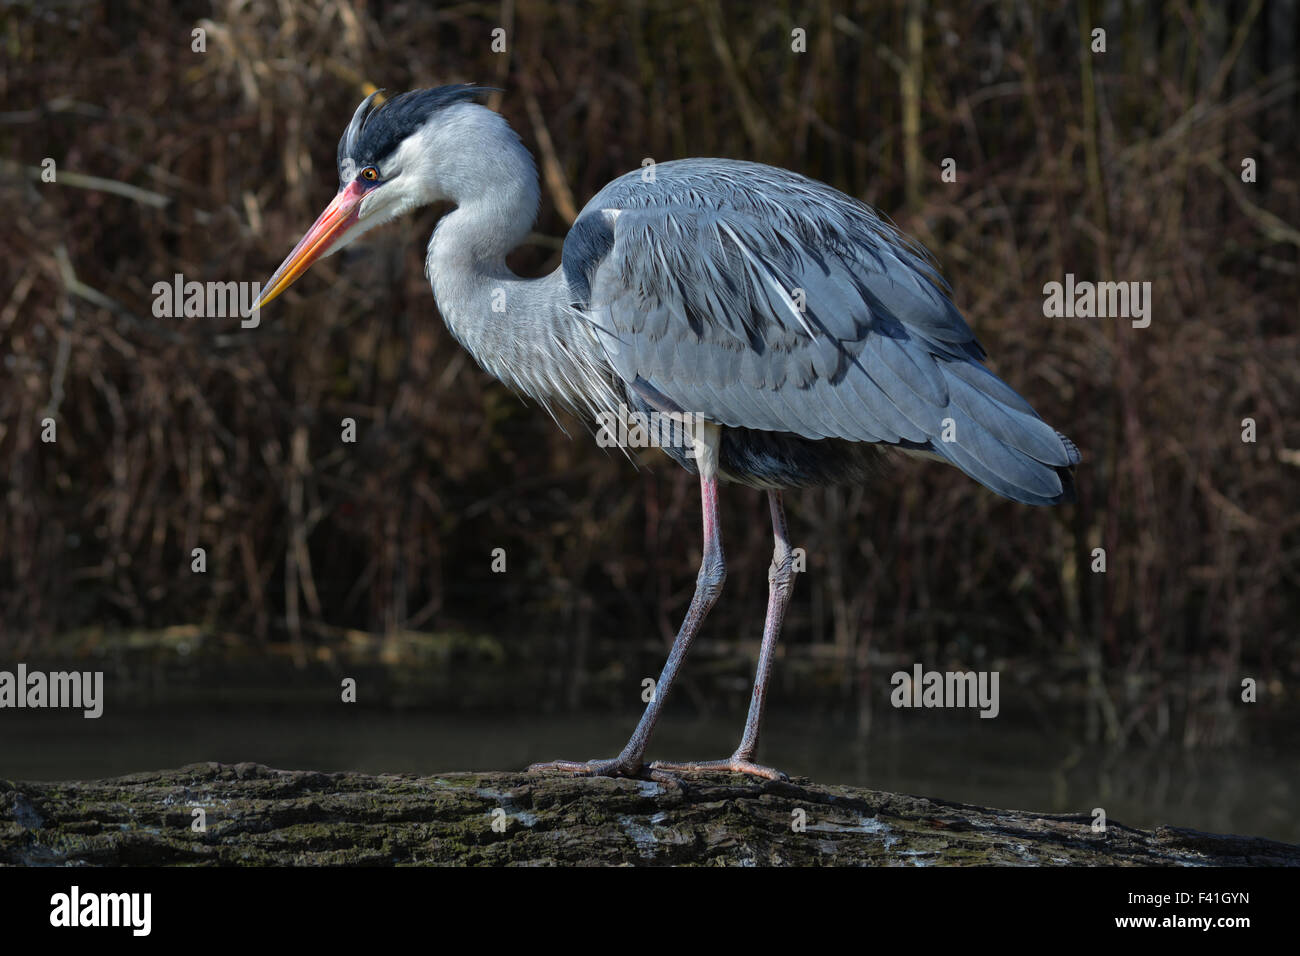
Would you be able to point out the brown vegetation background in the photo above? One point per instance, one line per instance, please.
(182, 433)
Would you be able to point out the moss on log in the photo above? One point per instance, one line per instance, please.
(255, 815)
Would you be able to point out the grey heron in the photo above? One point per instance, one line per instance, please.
(795, 330)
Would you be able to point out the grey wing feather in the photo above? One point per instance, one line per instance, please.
(767, 301)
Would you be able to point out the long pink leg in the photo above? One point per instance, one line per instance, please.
(708, 585)
(780, 578)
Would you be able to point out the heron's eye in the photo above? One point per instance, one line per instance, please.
(370, 174)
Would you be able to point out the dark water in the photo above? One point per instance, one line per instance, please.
(1238, 790)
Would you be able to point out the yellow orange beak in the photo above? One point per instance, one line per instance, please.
(339, 216)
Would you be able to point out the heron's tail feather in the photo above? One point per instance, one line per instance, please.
(993, 435)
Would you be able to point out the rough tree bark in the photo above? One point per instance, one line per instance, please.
(256, 815)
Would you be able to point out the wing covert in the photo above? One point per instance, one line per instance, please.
(766, 301)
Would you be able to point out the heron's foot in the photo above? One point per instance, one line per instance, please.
(730, 765)
(620, 766)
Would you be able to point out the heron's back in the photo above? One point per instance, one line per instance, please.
(802, 320)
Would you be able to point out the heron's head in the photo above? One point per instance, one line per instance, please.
(406, 153)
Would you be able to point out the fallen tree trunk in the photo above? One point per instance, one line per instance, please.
(253, 815)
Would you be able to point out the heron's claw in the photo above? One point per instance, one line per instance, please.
(730, 765)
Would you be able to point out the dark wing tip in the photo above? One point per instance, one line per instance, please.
(1071, 449)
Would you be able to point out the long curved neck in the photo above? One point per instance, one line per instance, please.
(519, 330)
(486, 171)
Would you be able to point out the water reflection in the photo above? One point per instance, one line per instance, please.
(1247, 791)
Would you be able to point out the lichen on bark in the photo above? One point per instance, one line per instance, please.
(254, 815)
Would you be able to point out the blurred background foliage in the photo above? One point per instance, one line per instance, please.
(182, 433)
